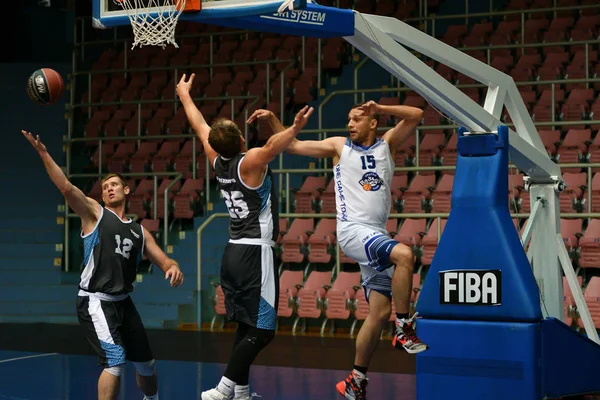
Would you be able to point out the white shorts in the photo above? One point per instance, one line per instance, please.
(370, 247)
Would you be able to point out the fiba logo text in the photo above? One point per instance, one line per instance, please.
(471, 287)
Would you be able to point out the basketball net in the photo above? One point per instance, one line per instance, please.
(153, 21)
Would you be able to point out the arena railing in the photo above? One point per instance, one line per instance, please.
(433, 18)
(175, 69)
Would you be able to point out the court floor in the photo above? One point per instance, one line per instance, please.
(52, 376)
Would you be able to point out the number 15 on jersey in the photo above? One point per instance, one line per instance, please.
(368, 162)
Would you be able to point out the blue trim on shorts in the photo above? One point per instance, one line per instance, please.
(378, 250)
(387, 293)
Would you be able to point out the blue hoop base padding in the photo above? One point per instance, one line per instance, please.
(472, 360)
(479, 236)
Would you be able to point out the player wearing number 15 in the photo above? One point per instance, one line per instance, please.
(248, 272)
(113, 247)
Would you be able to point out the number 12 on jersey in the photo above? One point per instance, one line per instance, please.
(368, 162)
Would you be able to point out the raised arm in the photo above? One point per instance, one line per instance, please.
(258, 157)
(194, 116)
(274, 122)
(409, 117)
(161, 260)
(87, 208)
(326, 148)
(311, 148)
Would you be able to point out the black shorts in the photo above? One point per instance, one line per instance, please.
(250, 284)
(114, 329)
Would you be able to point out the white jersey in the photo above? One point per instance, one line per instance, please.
(363, 180)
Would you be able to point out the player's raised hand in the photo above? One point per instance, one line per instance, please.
(176, 276)
(370, 108)
(184, 86)
(35, 142)
(302, 117)
(259, 114)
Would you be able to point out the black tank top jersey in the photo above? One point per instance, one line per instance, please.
(112, 252)
(253, 212)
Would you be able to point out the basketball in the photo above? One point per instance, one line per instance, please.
(45, 86)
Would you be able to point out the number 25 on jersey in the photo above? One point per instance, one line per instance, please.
(368, 162)
(238, 208)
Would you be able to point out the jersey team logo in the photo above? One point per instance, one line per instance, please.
(371, 182)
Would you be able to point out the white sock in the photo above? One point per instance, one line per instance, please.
(226, 386)
(359, 375)
(155, 397)
(242, 391)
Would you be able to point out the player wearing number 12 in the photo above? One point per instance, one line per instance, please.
(113, 247)
(248, 272)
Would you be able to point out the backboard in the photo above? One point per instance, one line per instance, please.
(108, 13)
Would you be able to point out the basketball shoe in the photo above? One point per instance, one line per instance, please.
(353, 389)
(406, 338)
(214, 394)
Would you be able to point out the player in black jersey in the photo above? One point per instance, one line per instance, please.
(248, 272)
(113, 247)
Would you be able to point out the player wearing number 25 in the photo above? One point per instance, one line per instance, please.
(113, 247)
(248, 272)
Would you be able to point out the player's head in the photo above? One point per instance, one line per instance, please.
(226, 138)
(114, 190)
(361, 125)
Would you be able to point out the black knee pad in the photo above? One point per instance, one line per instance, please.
(260, 337)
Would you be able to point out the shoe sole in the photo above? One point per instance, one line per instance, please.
(409, 351)
(417, 351)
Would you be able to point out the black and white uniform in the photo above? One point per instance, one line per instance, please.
(112, 252)
(248, 273)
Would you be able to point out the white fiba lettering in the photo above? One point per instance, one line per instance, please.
(126, 249)
(471, 288)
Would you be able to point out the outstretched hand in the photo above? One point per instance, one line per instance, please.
(370, 108)
(259, 114)
(184, 87)
(35, 142)
(302, 117)
(176, 276)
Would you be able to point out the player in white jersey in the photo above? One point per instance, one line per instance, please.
(363, 170)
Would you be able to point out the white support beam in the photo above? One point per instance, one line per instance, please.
(376, 37)
(494, 101)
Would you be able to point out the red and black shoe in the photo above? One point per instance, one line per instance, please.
(406, 338)
(352, 388)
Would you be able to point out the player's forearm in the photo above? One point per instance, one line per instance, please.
(195, 117)
(164, 262)
(282, 140)
(275, 124)
(403, 112)
(56, 174)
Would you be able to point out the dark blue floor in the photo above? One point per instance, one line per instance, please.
(74, 377)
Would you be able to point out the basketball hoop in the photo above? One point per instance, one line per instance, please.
(153, 21)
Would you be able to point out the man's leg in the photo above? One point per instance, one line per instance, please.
(380, 309)
(354, 386)
(108, 384)
(248, 278)
(99, 320)
(402, 257)
(138, 350)
(406, 337)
